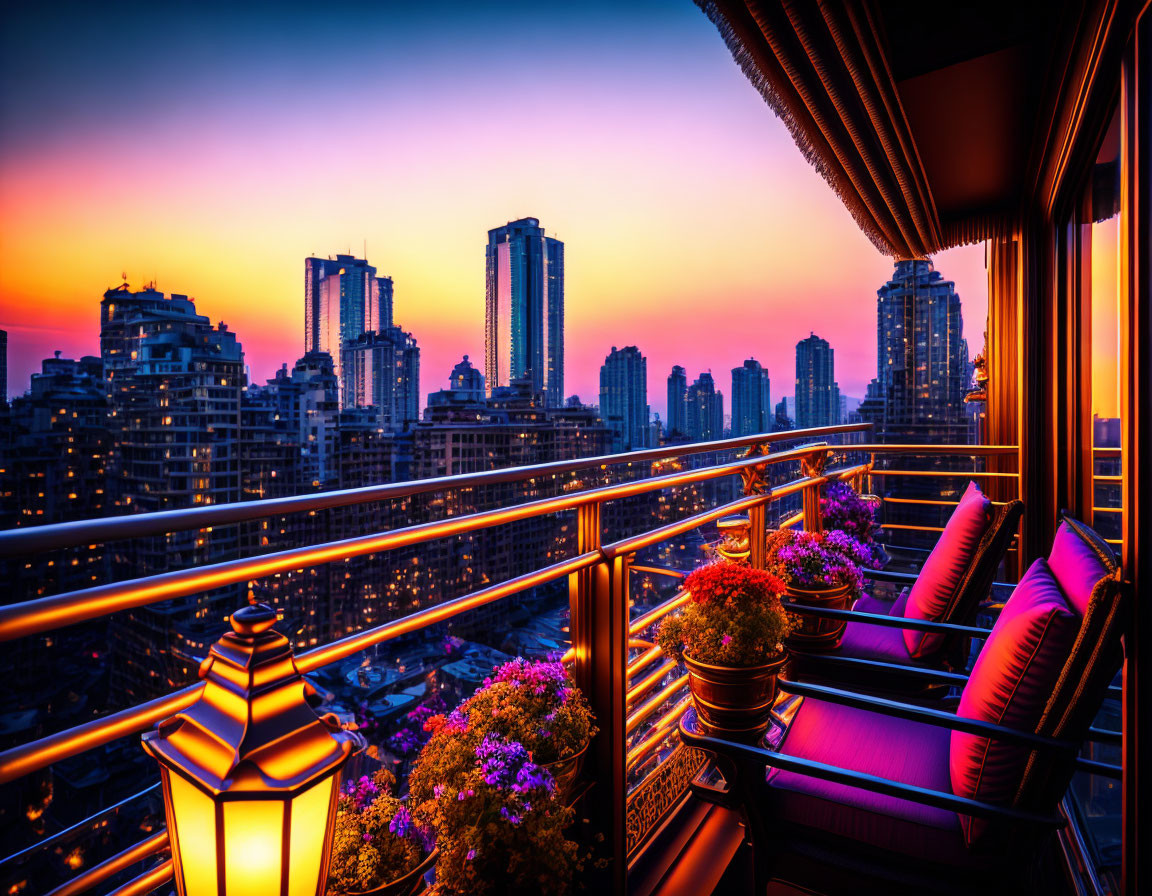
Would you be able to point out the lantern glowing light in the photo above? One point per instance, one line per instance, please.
(250, 771)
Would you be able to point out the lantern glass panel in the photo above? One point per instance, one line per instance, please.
(194, 815)
(309, 830)
(253, 842)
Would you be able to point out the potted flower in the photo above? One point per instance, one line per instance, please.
(819, 570)
(730, 637)
(376, 846)
(492, 782)
(843, 509)
(499, 825)
(536, 704)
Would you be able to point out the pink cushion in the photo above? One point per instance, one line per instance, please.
(900, 750)
(1076, 566)
(944, 569)
(1010, 683)
(866, 603)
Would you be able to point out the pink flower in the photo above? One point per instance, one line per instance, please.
(726, 640)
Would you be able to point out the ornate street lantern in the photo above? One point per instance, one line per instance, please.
(250, 771)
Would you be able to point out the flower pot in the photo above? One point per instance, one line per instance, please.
(565, 772)
(734, 701)
(408, 885)
(812, 633)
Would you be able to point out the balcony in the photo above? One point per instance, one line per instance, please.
(866, 94)
(618, 589)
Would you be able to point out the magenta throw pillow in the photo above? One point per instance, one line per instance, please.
(1010, 684)
(944, 569)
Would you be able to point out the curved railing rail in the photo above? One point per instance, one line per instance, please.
(37, 539)
(637, 696)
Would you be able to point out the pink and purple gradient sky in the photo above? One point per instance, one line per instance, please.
(212, 150)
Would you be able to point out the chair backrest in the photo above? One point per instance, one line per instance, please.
(977, 581)
(1089, 574)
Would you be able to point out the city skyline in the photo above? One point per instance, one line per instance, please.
(171, 195)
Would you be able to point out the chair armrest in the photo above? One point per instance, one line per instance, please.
(919, 625)
(936, 717)
(887, 575)
(748, 755)
(865, 665)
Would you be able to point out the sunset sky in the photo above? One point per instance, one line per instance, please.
(212, 150)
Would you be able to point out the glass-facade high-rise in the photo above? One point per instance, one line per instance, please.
(677, 408)
(752, 410)
(817, 393)
(524, 309)
(624, 398)
(922, 369)
(704, 416)
(381, 370)
(343, 298)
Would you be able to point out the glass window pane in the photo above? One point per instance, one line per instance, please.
(254, 836)
(195, 816)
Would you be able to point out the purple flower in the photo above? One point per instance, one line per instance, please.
(471, 855)
(507, 766)
(726, 640)
(400, 822)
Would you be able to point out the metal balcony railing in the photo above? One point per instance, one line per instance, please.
(638, 769)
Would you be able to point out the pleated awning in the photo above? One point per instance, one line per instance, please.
(933, 121)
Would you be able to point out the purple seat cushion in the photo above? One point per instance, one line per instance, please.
(909, 752)
(874, 642)
(940, 577)
(866, 603)
(1010, 684)
(1076, 566)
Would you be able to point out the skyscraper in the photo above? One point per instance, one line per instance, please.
(817, 394)
(524, 309)
(175, 384)
(751, 406)
(308, 398)
(624, 397)
(343, 298)
(922, 370)
(381, 370)
(677, 409)
(704, 418)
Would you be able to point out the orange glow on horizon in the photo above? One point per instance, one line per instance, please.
(1106, 318)
(693, 226)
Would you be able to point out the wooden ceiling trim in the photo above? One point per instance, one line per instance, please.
(818, 39)
(1079, 100)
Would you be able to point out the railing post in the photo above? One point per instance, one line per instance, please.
(599, 604)
(812, 467)
(756, 483)
(608, 696)
(757, 534)
(580, 588)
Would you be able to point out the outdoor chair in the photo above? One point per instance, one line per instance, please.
(929, 625)
(894, 796)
